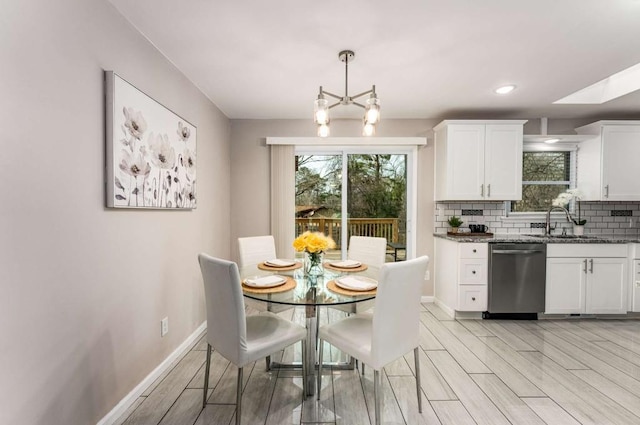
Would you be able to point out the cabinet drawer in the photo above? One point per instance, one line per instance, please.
(472, 272)
(473, 250)
(472, 298)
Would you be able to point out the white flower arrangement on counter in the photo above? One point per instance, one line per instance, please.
(565, 198)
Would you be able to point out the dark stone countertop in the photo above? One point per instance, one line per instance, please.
(531, 238)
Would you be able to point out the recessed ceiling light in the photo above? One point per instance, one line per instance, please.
(505, 89)
(552, 141)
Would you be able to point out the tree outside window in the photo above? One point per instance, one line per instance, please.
(545, 174)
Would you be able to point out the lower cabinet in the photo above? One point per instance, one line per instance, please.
(461, 275)
(591, 284)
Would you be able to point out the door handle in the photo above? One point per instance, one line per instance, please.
(585, 266)
(516, 251)
(591, 266)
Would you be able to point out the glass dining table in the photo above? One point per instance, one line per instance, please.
(310, 293)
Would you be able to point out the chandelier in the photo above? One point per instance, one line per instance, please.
(372, 106)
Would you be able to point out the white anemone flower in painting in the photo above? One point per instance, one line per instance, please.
(135, 165)
(134, 122)
(162, 154)
(183, 131)
(189, 161)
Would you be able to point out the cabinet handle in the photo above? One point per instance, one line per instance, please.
(606, 191)
(474, 251)
(489, 190)
(585, 266)
(473, 298)
(482, 191)
(591, 266)
(473, 272)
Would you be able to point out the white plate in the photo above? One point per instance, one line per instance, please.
(265, 281)
(279, 263)
(357, 283)
(346, 264)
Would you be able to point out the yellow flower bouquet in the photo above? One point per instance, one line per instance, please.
(313, 244)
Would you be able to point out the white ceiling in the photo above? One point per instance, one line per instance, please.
(428, 58)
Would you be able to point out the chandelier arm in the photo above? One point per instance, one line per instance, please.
(361, 94)
(335, 104)
(358, 104)
(335, 96)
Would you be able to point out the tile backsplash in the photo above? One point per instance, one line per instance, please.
(618, 218)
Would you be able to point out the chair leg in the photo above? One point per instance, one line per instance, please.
(239, 397)
(319, 368)
(268, 361)
(206, 376)
(376, 394)
(304, 369)
(416, 357)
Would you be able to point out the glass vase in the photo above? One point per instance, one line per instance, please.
(578, 229)
(313, 264)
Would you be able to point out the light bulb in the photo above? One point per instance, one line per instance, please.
(372, 114)
(368, 129)
(323, 130)
(321, 111)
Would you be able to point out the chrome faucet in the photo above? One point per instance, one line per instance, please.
(547, 227)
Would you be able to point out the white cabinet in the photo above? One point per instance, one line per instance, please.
(586, 278)
(608, 163)
(478, 160)
(461, 276)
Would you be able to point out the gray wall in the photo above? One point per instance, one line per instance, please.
(83, 288)
(250, 172)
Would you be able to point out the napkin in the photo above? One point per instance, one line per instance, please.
(346, 263)
(265, 281)
(279, 263)
(356, 284)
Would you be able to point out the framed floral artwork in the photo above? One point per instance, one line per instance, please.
(151, 151)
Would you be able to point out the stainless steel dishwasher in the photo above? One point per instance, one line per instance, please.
(516, 280)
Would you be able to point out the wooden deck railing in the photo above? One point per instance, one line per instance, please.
(378, 227)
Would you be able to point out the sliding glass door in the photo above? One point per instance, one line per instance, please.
(370, 198)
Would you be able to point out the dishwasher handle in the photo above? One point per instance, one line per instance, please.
(517, 251)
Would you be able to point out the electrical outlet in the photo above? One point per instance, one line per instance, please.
(427, 275)
(164, 326)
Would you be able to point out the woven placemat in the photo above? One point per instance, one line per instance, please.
(332, 286)
(360, 268)
(263, 266)
(289, 284)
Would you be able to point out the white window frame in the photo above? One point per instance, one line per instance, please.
(528, 217)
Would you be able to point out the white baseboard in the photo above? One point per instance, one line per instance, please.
(426, 299)
(451, 312)
(130, 398)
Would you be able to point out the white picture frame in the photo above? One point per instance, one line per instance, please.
(150, 151)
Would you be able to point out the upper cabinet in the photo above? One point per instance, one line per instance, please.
(608, 163)
(478, 160)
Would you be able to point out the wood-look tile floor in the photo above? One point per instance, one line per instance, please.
(566, 371)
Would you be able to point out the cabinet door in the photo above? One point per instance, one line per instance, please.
(621, 174)
(606, 291)
(565, 287)
(465, 162)
(503, 162)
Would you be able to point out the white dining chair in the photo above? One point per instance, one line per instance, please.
(252, 251)
(370, 251)
(392, 330)
(239, 338)
(255, 249)
(367, 250)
